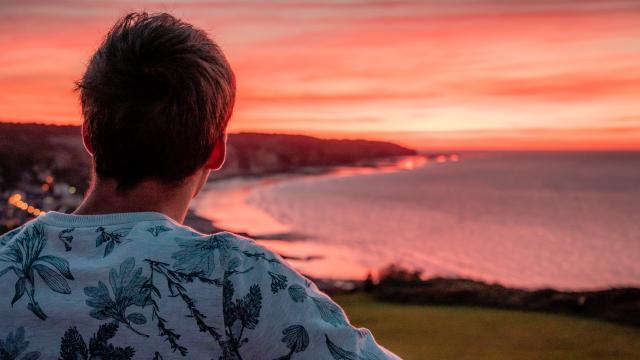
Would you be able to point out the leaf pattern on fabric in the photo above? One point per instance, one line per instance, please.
(112, 238)
(128, 290)
(162, 299)
(329, 311)
(260, 256)
(175, 280)
(24, 258)
(296, 339)
(278, 282)
(200, 255)
(339, 353)
(245, 310)
(73, 346)
(6, 237)
(14, 345)
(297, 293)
(66, 238)
(157, 230)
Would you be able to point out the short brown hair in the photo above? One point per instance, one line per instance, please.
(156, 96)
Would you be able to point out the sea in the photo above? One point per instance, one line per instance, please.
(567, 220)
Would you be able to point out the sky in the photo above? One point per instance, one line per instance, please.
(458, 74)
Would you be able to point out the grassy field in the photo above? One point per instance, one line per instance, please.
(440, 332)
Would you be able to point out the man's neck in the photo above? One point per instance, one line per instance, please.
(146, 196)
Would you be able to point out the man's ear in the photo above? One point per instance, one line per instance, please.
(86, 140)
(218, 154)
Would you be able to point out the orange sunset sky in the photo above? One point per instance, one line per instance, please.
(556, 74)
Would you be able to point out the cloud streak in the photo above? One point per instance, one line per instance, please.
(330, 67)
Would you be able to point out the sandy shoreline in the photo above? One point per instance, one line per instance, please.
(224, 204)
(522, 220)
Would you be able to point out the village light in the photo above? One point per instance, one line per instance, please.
(16, 200)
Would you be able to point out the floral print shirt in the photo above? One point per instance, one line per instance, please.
(141, 286)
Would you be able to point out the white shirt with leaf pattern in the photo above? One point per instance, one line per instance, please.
(141, 286)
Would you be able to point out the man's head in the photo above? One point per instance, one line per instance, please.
(156, 98)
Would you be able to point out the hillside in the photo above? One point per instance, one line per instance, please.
(252, 153)
(24, 147)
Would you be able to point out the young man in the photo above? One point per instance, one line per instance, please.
(122, 278)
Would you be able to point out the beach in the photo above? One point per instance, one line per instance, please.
(227, 203)
(562, 220)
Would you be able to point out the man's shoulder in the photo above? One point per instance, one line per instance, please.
(228, 241)
(241, 242)
(6, 237)
(13, 233)
(232, 253)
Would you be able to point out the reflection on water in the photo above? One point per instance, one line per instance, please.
(225, 202)
(565, 220)
(382, 166)
(324, 261)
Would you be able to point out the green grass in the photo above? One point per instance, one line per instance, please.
(442, 332)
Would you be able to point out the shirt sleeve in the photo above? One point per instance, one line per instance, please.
(272, 312)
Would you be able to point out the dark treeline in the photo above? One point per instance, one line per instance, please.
(621, 305)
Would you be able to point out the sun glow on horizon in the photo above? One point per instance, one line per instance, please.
(425, 74)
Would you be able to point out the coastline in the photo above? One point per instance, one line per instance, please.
(224, 204)
(233, 192)
(614, 304)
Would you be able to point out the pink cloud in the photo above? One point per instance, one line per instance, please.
(349, 57)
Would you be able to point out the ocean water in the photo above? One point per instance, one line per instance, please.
(565, 220)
